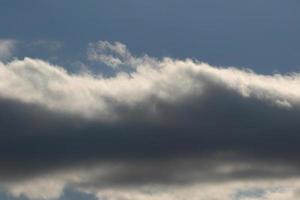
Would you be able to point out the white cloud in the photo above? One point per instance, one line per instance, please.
(7, 47)
(116, 56)
(104, 51)
(168, 80)
(277, 190)
(38, 189)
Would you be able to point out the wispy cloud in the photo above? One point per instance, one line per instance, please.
(7, 47)
(46, 45)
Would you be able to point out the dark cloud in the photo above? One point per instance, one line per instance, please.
(238, 130)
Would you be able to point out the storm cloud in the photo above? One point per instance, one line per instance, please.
(157, 124)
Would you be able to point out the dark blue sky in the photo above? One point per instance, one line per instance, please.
(258, 34)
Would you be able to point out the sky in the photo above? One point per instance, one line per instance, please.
(149, 100)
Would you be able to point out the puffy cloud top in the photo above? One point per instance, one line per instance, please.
(167, 80)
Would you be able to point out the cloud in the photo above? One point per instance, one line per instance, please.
(111, 54)
(46, 45)
(7, 47)
(35, 81)
(116, 56)
(159, 129)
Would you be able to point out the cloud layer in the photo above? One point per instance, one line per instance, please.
(157, 129)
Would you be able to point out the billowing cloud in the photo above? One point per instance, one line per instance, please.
(7, 47)
(157, 129)
(167, 81)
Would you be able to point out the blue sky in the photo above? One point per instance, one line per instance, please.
(261, 35)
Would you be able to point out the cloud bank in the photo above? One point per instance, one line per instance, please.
(157, 129)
